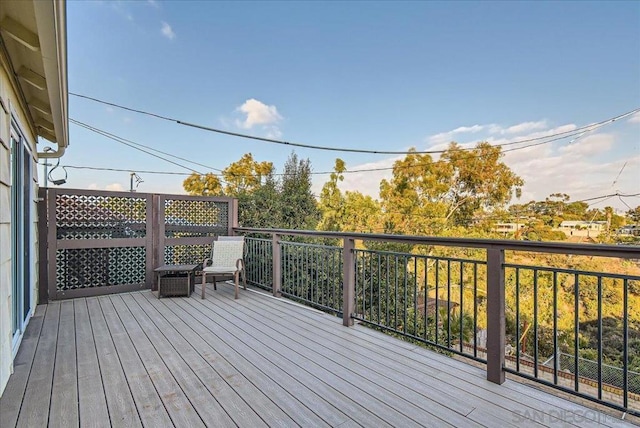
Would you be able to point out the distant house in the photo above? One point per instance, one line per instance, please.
(629, 230)
(582, 228)
(33, 105)
(507, 228)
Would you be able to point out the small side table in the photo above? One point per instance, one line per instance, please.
(176, 280)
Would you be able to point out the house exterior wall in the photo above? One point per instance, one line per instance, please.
(508, 227)
(11, 105)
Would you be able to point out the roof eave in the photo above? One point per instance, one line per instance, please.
(51, 19)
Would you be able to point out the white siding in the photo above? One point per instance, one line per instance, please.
(11, 105)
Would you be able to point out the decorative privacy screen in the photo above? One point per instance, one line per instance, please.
(98, 242)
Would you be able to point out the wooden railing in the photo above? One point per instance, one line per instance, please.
(454, 302)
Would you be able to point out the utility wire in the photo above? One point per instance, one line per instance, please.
(124, 141)
(121, 141)
(95, 168)
(338, 149)
(619, 174)
(129, 142)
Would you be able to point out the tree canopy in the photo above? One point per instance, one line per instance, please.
(426, 196)
(263, 200)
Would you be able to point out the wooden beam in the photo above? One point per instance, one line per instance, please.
(42, 123)
(42, 107)
(32, 78)
(46, 134)
(20, 33)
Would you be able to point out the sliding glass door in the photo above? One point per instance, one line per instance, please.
(21, 221)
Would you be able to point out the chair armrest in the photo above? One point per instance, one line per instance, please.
(240, 264)
(207, 262)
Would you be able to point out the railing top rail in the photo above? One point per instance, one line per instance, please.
(141, 195)
(621, 251)
(66, 191)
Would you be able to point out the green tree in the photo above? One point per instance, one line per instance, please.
(205, 185)
(245, 175)
(260, 208)
(426, 196)
(298, 206)
(349, 211)
(634, 215)
(331, 200)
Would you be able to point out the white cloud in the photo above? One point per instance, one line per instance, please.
(526, 127)
(635, 118)
(167, 31)
(589, 146)
(273, 132)
(121, 9)
(447, 137)
(491, 128)
(258, 113)
(116, 187)
(92, 186)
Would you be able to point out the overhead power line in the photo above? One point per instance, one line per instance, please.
(122, 141)
(138, 146)
(620, 195)
(141, 171)
(566, 134)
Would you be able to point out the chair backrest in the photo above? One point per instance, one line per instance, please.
(227, 253)
(233, 238)
(230, 238)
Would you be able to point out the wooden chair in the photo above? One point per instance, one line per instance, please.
(227, 258)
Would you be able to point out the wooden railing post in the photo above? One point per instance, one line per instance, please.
(152, 258)
(277, 265)
(495, 315)
(232, 212)
(43, 262)
(349, 281)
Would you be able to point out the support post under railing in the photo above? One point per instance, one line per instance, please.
(495, 315)
(349, 281)
(277, 265)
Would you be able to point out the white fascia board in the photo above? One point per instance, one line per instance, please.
(51, 19)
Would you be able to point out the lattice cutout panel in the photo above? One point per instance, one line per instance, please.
(193, 218)
(186, 254)
(99, 267)
(100, 217)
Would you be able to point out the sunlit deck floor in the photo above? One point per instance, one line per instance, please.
(136, 360)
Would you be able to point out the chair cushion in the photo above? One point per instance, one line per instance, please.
(220, 269)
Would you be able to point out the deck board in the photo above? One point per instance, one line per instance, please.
(390, 368)
(207, 408)
(413, 374)
(34, 411)
(120, 405)
(92, 403)
(12, 398)
(253, 364)
(64, 393)
(234, 404)
(149, 406)
(323, 364)
(136, 360)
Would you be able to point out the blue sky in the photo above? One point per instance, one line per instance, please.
(374, 75)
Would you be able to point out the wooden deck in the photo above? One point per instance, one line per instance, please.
(135, 360)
